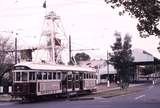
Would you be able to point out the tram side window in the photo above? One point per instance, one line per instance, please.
(24, 76)
(84, 76)
(64, 76)
(39, 76)
(45, 75)
(95, 76)
(54, 75)
(17, 76)
(59, 76)
(32, 76)
(77, 77)
(50, 75)
(81, 76)
(90, 76)
(87, 76)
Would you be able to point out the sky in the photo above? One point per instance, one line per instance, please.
(90, 23)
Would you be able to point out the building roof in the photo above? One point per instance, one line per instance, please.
(100, 65)
(142, 56)
(93, 63)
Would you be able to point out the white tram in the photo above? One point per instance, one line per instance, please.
(32, 80)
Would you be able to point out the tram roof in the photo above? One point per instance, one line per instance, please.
(45, 66)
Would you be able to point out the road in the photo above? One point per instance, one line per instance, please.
(149, 98)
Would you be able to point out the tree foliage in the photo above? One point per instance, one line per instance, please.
(5, 58)
(146, 11)
(121, 58)
(81, 57)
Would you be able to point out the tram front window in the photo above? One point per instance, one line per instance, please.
(69, 77)
(24, 76)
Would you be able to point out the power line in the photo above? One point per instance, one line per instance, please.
(85, 49)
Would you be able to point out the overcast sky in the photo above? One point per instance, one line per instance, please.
(91, 24)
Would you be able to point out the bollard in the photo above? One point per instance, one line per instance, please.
(153, 82)
(1, 89)
(10, 89)
(108, 83)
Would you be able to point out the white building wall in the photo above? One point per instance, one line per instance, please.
(141, 55)
(103, 70)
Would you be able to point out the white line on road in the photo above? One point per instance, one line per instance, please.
(98, 98)
(139, 97)
(4, 104)
(105, 101)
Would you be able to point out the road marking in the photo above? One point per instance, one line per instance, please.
(105, 101)
(98, 98)
(4, 104)
(139, 97)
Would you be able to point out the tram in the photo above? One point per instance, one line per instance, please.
(32, 80)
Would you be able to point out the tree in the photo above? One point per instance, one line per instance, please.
(81, 57)
(121, 58)
(5, 57)
(146, 11)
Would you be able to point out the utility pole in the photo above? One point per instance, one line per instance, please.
(108, 82)
(154, 73)
(15, 50)
(70, 49)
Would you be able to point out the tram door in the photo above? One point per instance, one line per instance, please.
(64, 82)
(67, 82)
(75, 81)
(70, 81)
(81, 81)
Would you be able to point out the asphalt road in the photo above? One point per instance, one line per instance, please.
(149, 98)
